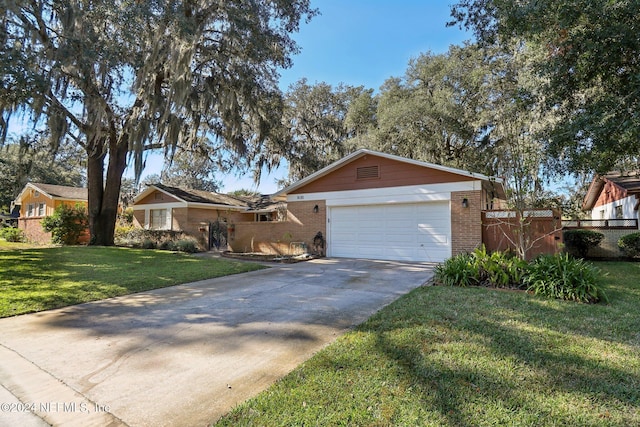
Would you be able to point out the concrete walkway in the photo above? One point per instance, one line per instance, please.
(185, 355)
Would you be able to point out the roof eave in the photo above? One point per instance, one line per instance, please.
(362, 152)
(595, 188)
(215, 206)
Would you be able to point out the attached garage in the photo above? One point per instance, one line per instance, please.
(380, 206)
(402, 232)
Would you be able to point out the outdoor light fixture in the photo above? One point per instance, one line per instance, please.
(465, 203)
(315, 209)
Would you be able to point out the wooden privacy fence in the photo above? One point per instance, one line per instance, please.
(540, 230)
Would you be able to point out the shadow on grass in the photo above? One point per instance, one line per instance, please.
(41, 279)
(515, 356)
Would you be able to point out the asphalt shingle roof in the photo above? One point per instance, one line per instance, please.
(62, 191)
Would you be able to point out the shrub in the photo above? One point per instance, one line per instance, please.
(630, 244)
(578, 242)
(499, 269)
(167, 245)
(12, 234)
(148, 244)
(460, 270)
(564, 277)
(186, 245)
(66, 225)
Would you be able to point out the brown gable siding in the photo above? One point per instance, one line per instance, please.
(391, 173)
(611, 192)
(151, 198)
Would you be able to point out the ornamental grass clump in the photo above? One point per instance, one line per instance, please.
(460, 270)
(555, 276)
(481, 268)
(564, 277)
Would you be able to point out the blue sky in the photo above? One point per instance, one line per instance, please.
(358, 42)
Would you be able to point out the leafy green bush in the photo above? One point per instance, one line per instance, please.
(148, 244)
(555, 276)
(12, 234)
(460, 270)
(140, 238)
(186, 245)
(499, 269)
(578, 242)
(630, 244)
(564, 277)
(66, 225)
(167, 245)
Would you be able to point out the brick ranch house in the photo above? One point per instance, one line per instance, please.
(208, 217)
(366, 205)
(37, 200)
(380, 206)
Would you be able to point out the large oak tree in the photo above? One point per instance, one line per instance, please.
(122, 76)
(590, 61)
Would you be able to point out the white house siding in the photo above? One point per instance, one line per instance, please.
(608, 211)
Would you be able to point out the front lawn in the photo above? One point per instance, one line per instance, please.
(41, 279)
(451, 356)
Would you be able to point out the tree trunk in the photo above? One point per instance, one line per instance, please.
(104, 195)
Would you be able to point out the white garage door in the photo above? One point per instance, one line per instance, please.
(402, 232)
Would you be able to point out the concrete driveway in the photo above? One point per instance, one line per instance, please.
(185, 355)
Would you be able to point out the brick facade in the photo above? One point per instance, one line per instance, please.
(285, 237)
(33, 231)
(466, 222)
(32, 227)
(195, 221)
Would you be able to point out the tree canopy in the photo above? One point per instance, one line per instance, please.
(315, 126)
(589, 57)
(31, 160)
(119, 77)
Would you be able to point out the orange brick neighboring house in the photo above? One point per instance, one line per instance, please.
(39, 200)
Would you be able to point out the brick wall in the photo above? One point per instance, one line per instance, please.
(33, 230)
(284, 237)
(466, 223)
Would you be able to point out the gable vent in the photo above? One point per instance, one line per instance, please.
(367, 172)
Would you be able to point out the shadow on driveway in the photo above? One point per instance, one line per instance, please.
(187, 354)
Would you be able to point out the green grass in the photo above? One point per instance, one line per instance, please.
(39, 279)
(450, 356)
(12, 246)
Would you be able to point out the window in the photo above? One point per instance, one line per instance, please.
(158, 219)
(158, 196)
(30, 209)
(619, 213)
(602, 214)
(263, 217)
(41, 209)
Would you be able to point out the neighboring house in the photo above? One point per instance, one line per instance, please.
(378, 206)
(614, 198)
(38, 200)
(208, 217)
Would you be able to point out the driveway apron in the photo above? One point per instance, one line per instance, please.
(185, 355)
